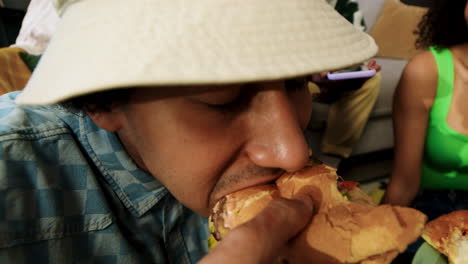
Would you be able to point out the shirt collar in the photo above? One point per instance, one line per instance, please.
(138, 190)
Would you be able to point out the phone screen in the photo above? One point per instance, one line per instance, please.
(353, 69)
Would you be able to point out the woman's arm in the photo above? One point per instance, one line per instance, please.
(412, 102)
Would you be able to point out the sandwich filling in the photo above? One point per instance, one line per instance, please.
(461, 249)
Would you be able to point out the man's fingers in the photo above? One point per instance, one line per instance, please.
(319, 77)
(285, 218)
(372, 64)
(261, 239)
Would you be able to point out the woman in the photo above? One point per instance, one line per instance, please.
(431, 116)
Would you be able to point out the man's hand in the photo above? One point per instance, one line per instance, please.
(330, 91)
(261, 239)
(372, 64)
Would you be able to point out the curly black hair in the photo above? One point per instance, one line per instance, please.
(443, 25)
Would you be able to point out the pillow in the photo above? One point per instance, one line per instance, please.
(16, 74)
(30, 60)
(394, 29)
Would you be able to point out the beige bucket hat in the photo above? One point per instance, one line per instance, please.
(109, 44)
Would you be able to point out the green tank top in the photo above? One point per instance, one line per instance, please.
(445, 161)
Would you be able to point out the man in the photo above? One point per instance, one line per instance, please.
(349, 109)
(152, 111)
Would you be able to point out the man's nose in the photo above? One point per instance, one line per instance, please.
(277, 139)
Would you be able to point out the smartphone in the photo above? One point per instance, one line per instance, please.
(360, 71)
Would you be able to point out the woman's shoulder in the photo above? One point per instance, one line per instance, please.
(422, 65)
(419, 79)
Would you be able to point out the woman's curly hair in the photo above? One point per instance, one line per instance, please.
(443, 25)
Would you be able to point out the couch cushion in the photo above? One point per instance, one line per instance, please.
(391, 72)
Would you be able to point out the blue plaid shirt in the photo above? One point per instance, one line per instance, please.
(69, 193)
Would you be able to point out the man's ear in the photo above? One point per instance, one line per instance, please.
(107, 120)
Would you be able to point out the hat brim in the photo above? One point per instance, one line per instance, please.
(109, 44)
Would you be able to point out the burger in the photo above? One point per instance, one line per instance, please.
(347, 226)
(449, 235)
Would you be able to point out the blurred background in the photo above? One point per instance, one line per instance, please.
(11, 16)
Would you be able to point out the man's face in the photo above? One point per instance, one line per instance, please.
(203, 143)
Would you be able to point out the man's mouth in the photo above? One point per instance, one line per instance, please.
(243, 183)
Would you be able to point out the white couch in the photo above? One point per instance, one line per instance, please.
(378, 134)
